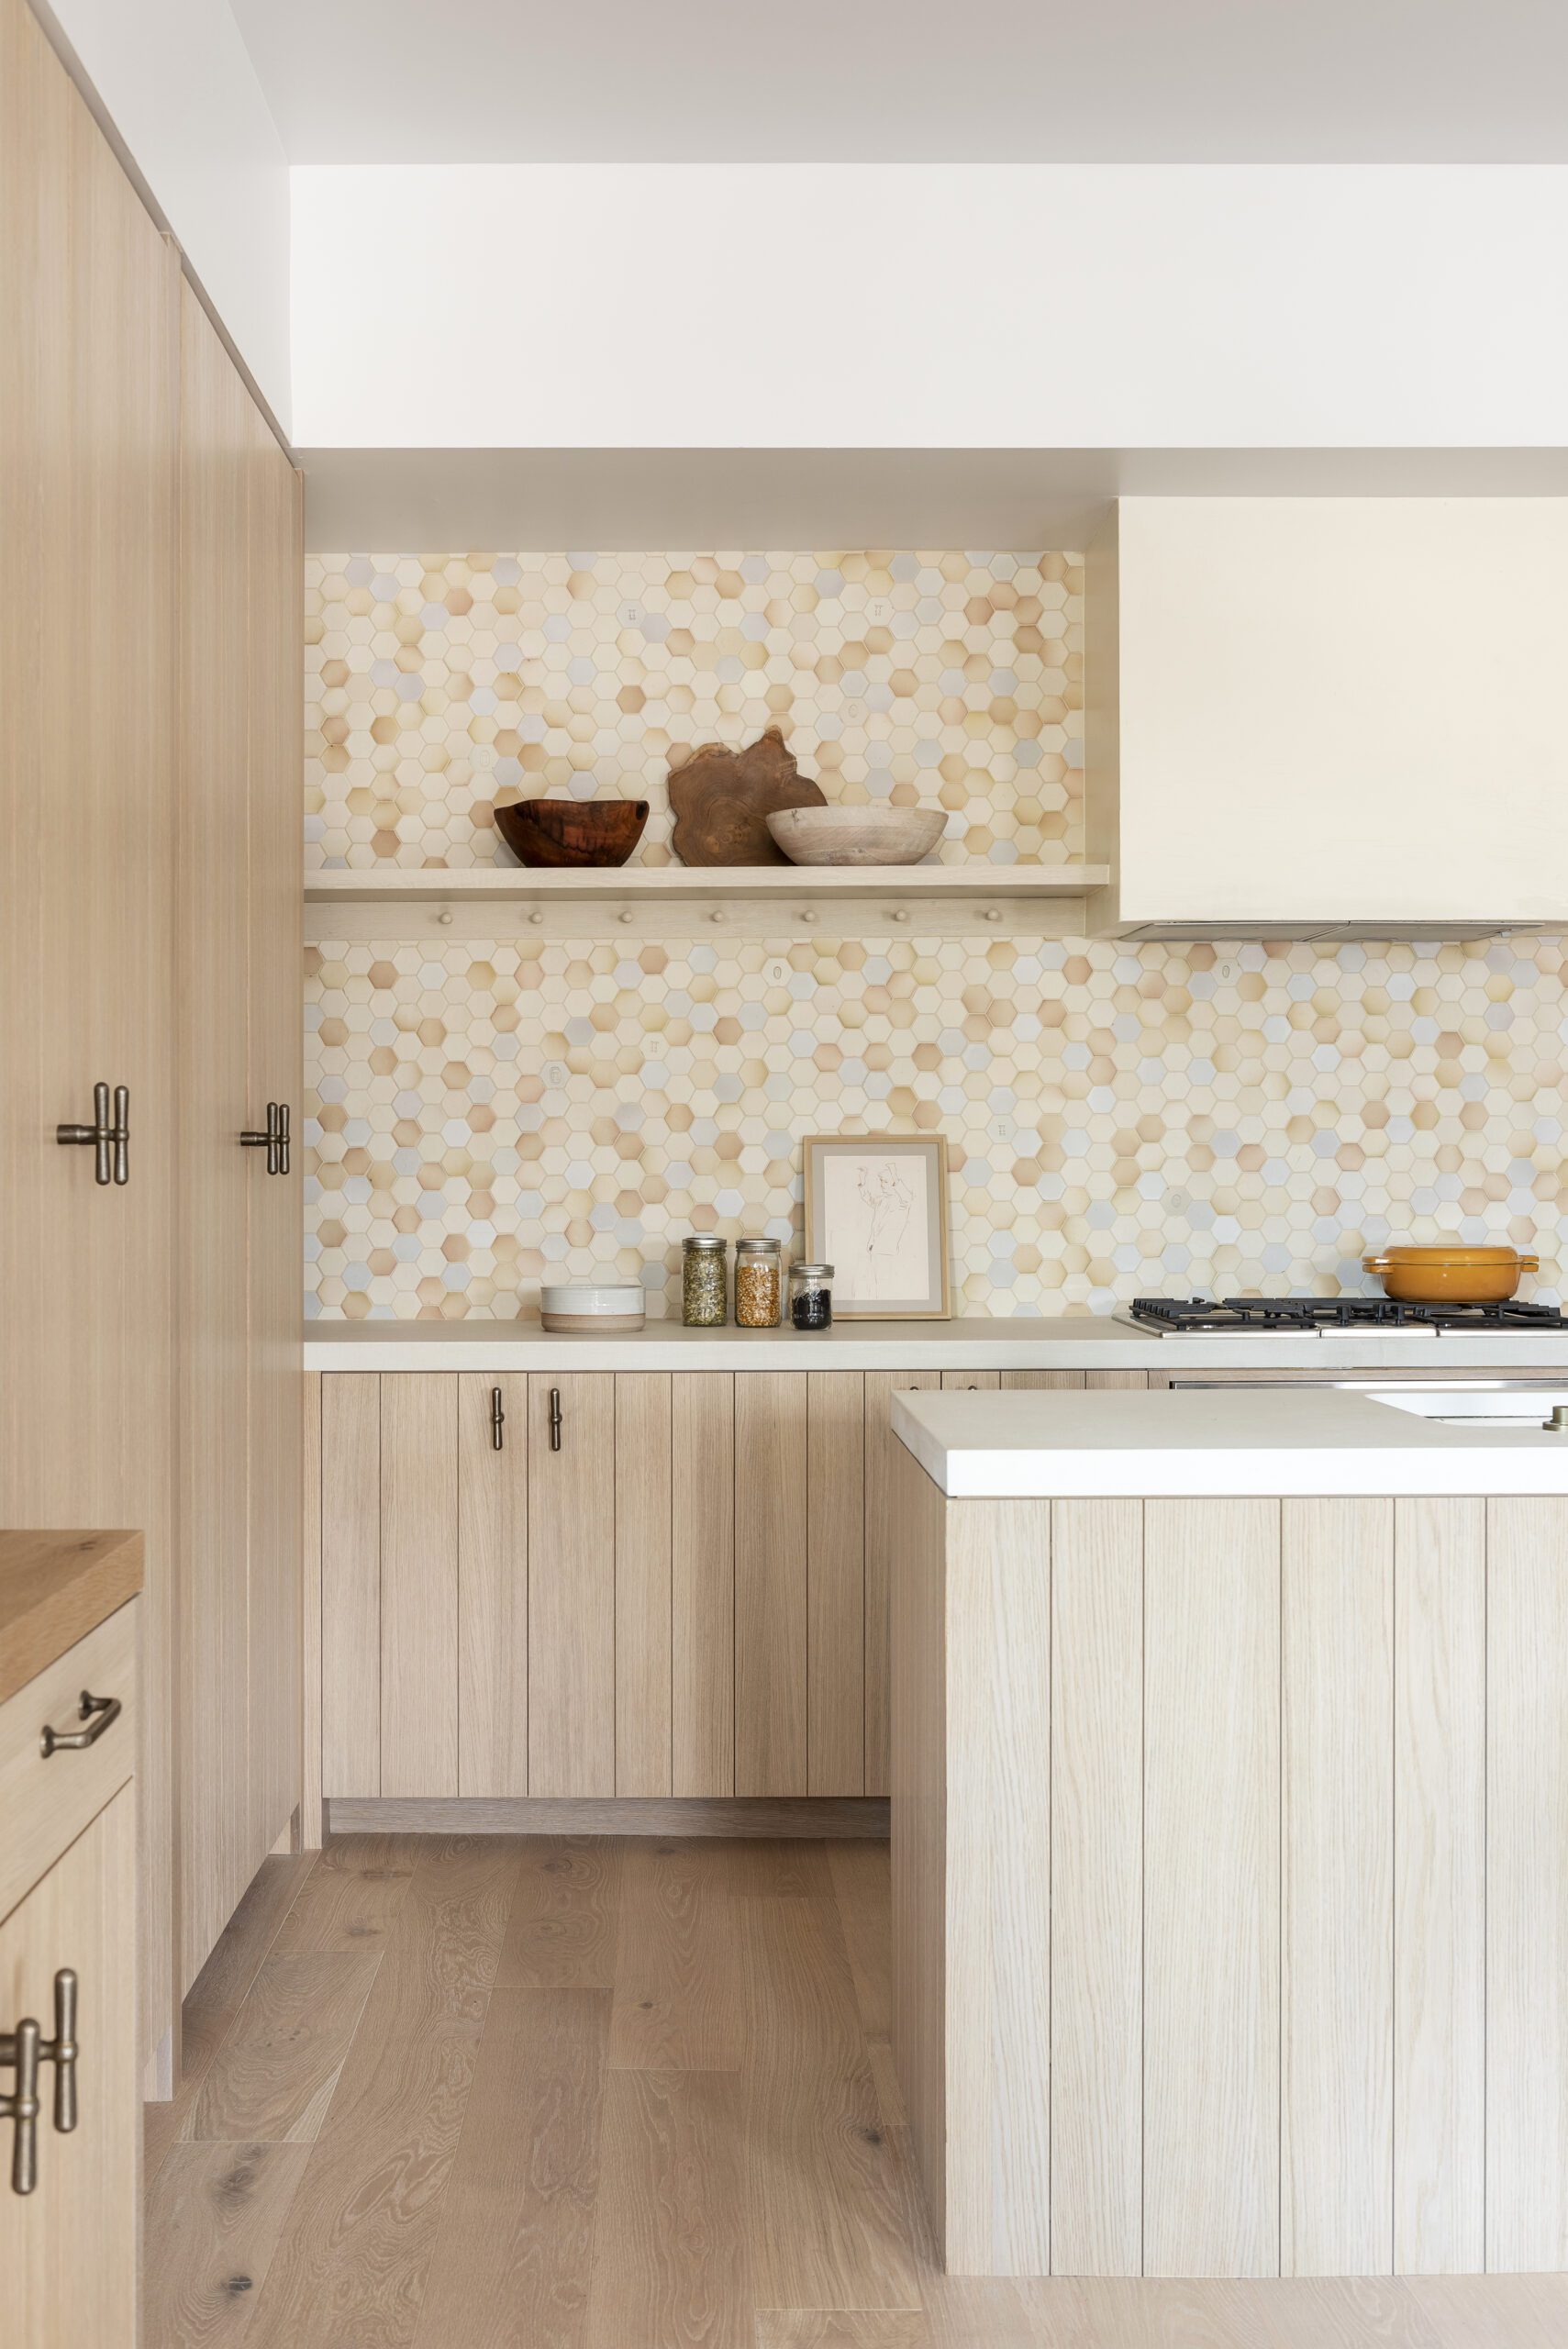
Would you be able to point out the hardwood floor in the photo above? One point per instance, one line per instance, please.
(569, 2092)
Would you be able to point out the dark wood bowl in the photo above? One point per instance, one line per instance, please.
(571, 831)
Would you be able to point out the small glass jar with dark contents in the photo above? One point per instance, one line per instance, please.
(811, 1296)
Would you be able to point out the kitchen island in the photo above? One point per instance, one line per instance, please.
(1230, 1768)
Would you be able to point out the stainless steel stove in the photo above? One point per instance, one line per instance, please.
(1304, 1315)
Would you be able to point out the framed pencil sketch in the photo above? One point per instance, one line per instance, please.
(876, 1209)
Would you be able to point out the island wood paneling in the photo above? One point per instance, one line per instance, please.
(1337, 1985)
(642, 1473)
(571, 1585)
(882, 1453)
(770, 1582)
(492, 1586)
(835, 1541)
(917, 1516)
(1097, 1887)
(1527, 1885)
(418, 1584)
(1211, 1888)
(702, 1583)
(1440, 1886)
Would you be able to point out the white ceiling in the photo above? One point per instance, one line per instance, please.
(916, 80)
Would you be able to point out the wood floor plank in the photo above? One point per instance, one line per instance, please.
(670, 2267)
(826, 2329)
(349, 1899)
(514, 2254)
(862, 1887)
(351, 2271)
(824, 2203)
(676, 1988)
(274, 2075)
(776, 1867)
(211, 2231)
(561, 1932)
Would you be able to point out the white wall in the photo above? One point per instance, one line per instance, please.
(683, 306)
(178, 82)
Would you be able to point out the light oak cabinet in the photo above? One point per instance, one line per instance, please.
(68, 2248)
(594, 1584)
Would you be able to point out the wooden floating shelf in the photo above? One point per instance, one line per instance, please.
(667, 884)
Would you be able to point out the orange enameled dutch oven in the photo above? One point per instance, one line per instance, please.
(1448, 1276)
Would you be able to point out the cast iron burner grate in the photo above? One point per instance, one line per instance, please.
(1303, 1315)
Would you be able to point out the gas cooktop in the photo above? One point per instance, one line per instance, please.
(1300, 1316)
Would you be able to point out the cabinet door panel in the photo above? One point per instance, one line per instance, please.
(418, 1584)
(643, 1583)
(217, 1175)
(834, 1676)
(702, 1577)
(68, 2252)
(492, 1586)
(770, 1582)
(571, 1585)
(274, 647)
(350, 1583)
(882, 1453)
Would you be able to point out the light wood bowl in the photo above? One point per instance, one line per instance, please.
(857, 835)
(1438, 1275)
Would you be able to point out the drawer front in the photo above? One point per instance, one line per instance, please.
(46, 1802)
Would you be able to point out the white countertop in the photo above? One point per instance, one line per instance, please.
(1242, 1441)
(1075, 1341)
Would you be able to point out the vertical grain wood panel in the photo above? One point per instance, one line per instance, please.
(1211, 1888)
(835, 1550)
(350, 1583)
(571, 1586)
(215, 1174)
(493, 1586)
(1111, 1381)
(1336, 1953)
(1439, 1911)
(1042, 1382)
(702, 1583)
(310, 1811)
(971, 1381)
(1096, 1878)
(274, 642)
(642, 1582)
(882, 1450)
(770, 1582)
(998, 1888)
(917, 1538)
(1527, 1885)
(418, 1583)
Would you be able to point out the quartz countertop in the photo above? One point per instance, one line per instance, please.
(54, 1589)
(1073, 1341)
(1159, 1445)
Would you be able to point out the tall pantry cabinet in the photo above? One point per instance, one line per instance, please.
(150, 639)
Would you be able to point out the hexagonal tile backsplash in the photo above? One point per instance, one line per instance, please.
(1120, 1118)
(439, 683)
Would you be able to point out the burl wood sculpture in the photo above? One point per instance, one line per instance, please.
(722, 799)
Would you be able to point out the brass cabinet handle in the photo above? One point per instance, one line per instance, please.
(555, 1419)
(100, 1713)
(22, 2051)
(274, 1141)
(497, 1419)
(108, 1135)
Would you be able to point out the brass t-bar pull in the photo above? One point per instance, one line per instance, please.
(282, 1136)
(274, 1141)
(62, 2051)
(19, 2052)
(555, 1419)
(108, 1136)
(497, 1419)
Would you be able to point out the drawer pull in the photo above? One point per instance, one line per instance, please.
(555, 1419)
(497, 1419)
(22, 2051)
(100, 1713)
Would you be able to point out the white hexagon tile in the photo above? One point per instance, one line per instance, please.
(1120, 1118)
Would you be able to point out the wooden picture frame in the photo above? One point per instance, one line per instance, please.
(876, 1209)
